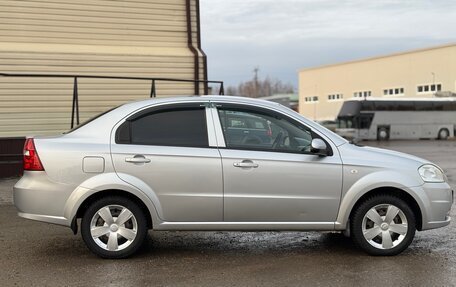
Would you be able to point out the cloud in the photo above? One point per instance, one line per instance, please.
(282, 36)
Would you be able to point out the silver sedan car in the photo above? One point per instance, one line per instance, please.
(224, 163)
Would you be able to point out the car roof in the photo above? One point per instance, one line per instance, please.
(206, 98)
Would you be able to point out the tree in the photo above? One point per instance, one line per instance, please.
(257, 87)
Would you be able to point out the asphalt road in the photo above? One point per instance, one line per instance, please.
(39, 254)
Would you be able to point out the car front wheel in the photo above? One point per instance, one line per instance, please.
(383, 225)
(114, 227)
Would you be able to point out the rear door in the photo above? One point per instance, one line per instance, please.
(168, 148)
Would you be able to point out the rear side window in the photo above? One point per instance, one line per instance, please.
(170, 127)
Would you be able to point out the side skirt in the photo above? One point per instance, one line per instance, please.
(246, 226)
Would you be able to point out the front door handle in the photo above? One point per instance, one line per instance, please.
(245, 164)
(137, 159)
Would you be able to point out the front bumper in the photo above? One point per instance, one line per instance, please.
(436, 202)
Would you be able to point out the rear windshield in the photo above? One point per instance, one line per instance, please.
(90, 120)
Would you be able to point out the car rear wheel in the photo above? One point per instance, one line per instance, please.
(383, 225)
(114, 227)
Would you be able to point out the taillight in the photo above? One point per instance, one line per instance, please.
(31, 159)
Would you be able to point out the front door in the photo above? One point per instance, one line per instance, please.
(270, 174)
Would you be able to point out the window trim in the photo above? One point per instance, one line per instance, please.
(271, 113)
(160, 108)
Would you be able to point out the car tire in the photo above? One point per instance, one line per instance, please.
(383, 225)
(443, 134)
(114, 227)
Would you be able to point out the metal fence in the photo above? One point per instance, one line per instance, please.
(75, 104)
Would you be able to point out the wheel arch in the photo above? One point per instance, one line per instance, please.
(109, 184)
(110, 192)
(394, 191)
(448, 130)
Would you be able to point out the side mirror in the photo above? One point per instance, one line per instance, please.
(318, 147)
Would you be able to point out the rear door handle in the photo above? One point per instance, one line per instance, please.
(245, 164)
(137, 159)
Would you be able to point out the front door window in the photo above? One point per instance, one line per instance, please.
(251, 130)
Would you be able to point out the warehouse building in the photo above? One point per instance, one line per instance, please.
(423, 73)
(154, 39)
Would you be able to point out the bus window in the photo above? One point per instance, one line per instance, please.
(365, 121)
(368, 106)
(438, 106)
(405, 106)
(450, 106)
(384, 106)
(345, 123)
(423, 106)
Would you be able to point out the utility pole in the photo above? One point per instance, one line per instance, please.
(255, 80)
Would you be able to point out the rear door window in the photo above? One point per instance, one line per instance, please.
(184, 127)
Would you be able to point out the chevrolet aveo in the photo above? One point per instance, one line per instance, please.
(224, 163)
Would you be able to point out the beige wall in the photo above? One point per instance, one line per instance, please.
(96, 37)
(405, 70)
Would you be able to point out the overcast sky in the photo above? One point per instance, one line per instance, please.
(282, 36)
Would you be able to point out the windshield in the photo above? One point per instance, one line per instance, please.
(349, 109)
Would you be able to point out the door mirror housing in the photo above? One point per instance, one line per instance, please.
(319, 147)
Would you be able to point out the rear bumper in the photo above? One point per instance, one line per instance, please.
(437, 224)
(36, 197)
(45, 218)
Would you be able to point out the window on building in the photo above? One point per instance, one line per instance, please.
(333, 97)
(394, 91)
(311, 99)
(429, 88)
(362, 94)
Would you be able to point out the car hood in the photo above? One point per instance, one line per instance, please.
(376, 157)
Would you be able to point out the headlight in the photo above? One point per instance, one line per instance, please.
(431, 173)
